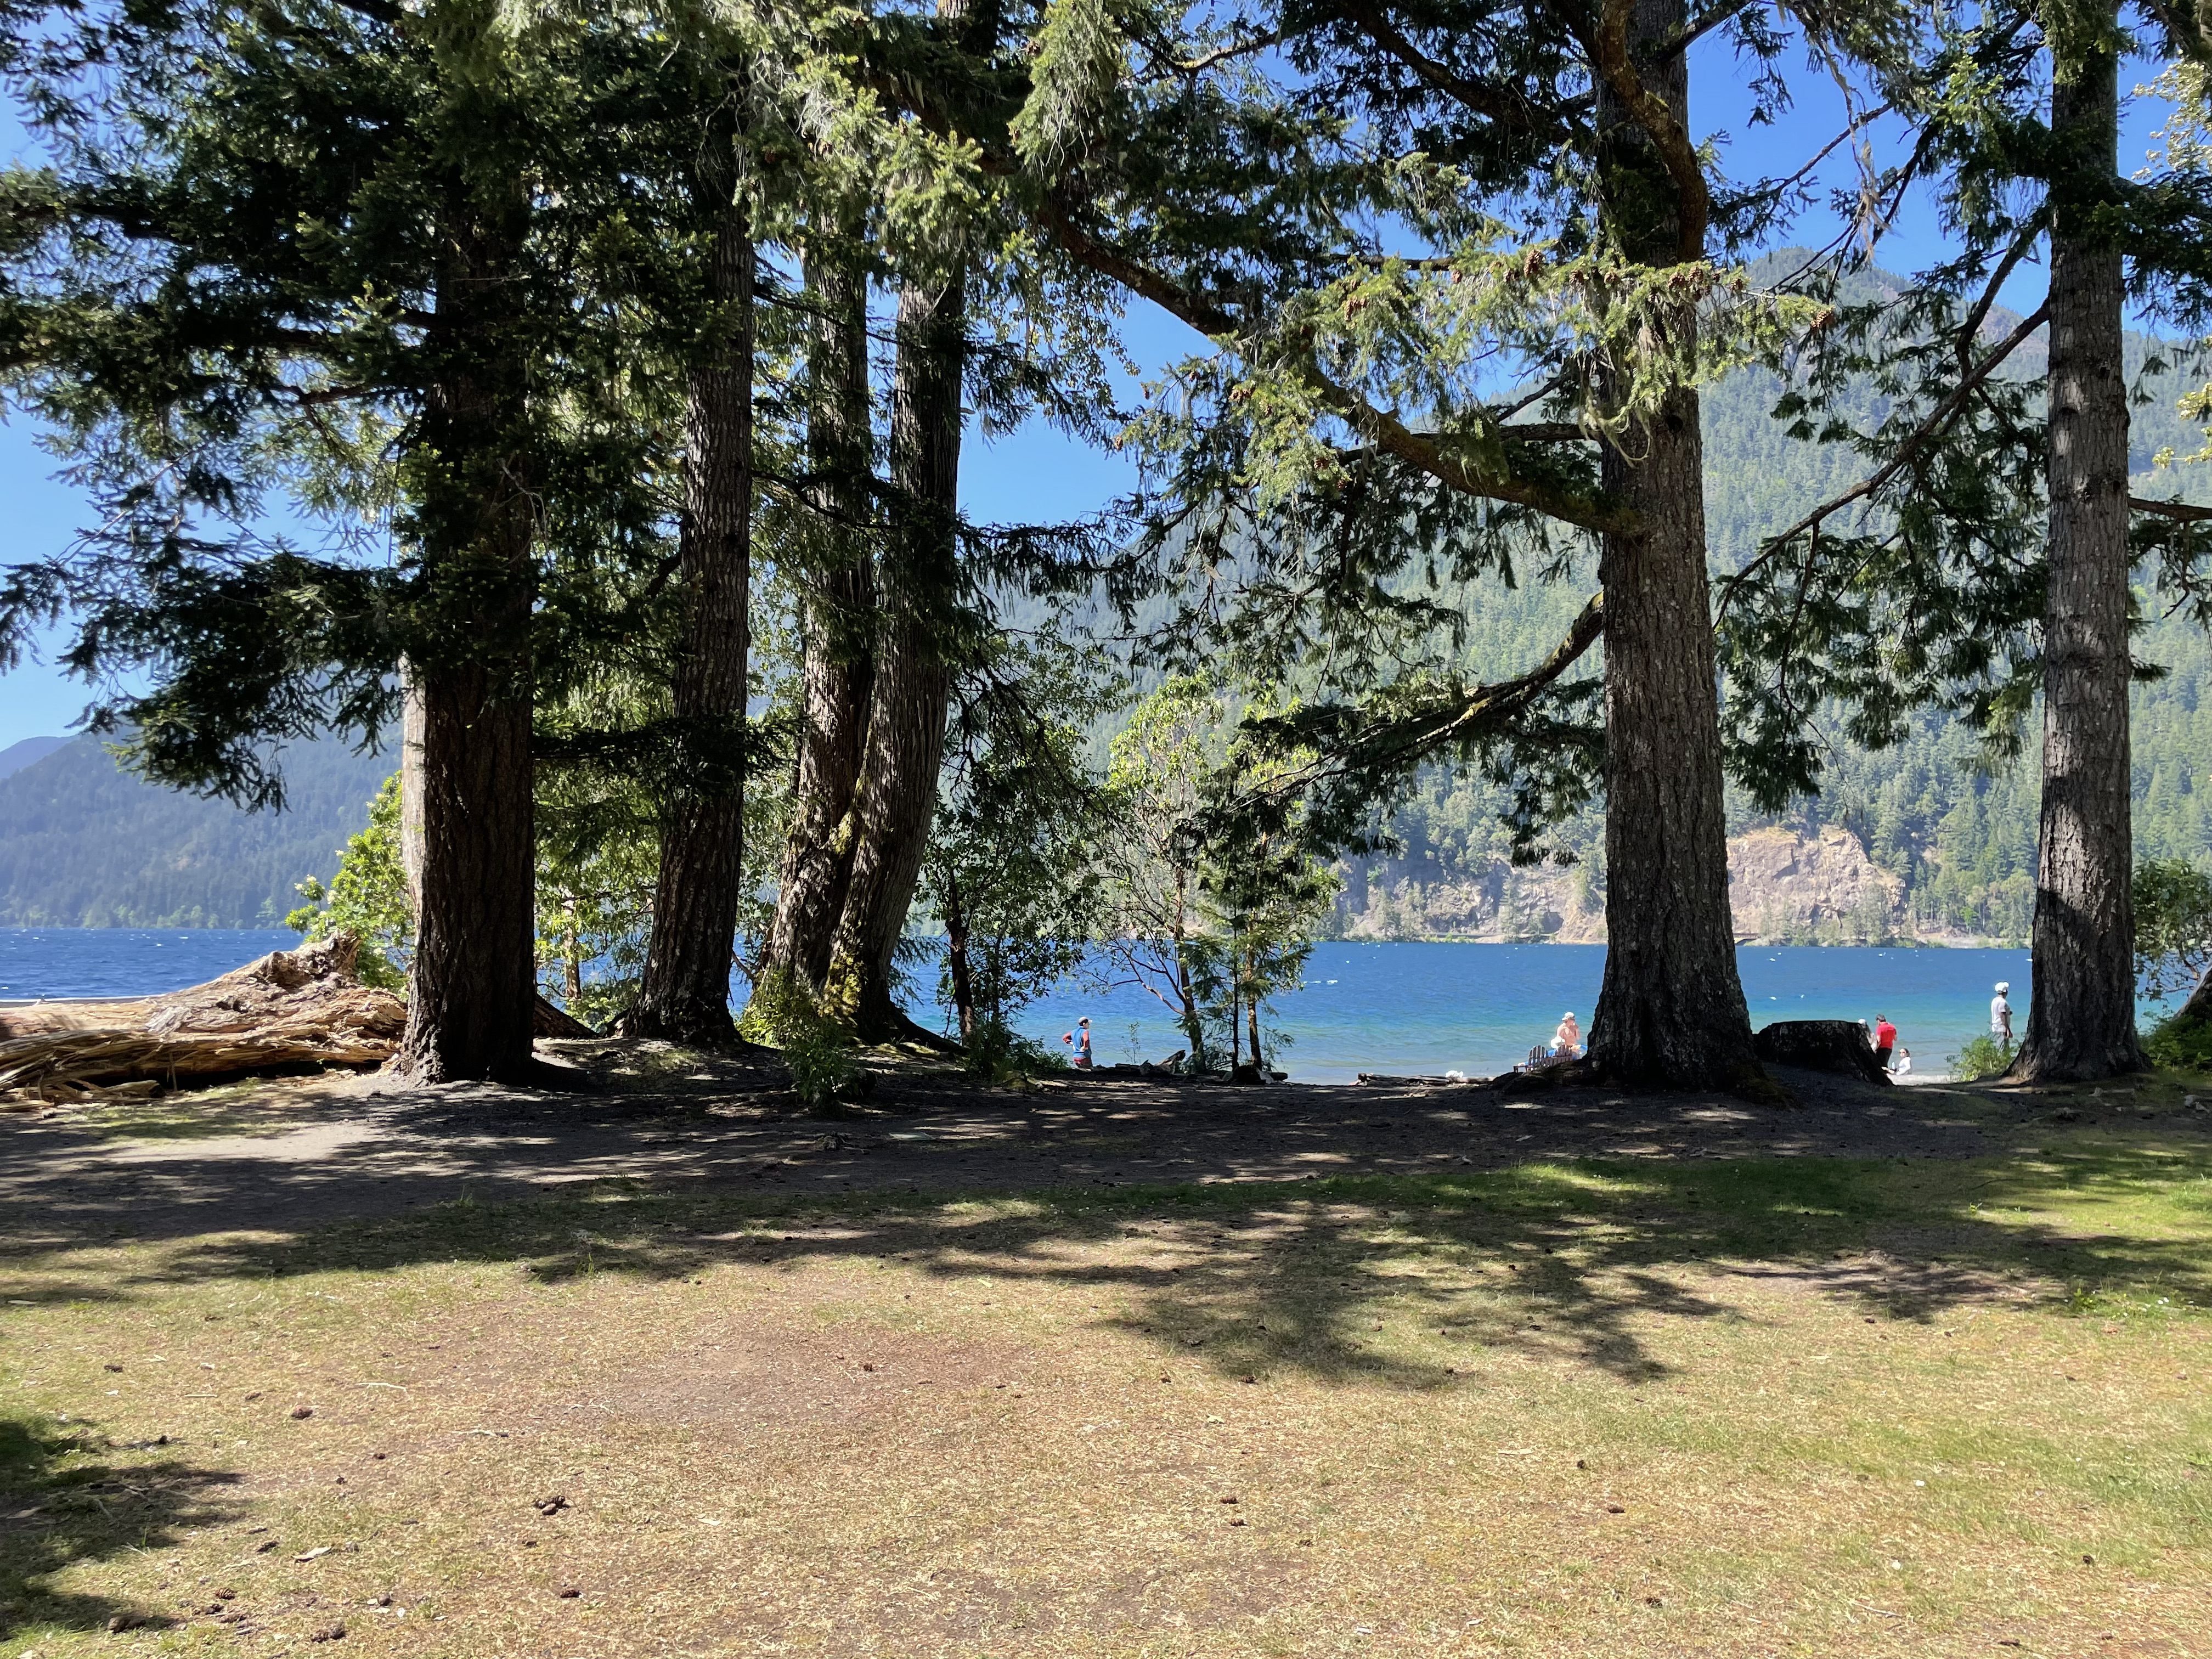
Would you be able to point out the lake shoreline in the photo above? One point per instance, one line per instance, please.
(1400, 1007)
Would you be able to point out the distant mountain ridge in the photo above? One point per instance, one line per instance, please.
(84, 844)
(17, 755)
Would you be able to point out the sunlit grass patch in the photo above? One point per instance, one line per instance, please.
(1636, 1408)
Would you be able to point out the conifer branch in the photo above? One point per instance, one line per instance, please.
(2187, 28)
(1457, 715)
(1385, 431)
(2182, 511)
(1907, 453)
(1970, 330)
(1417, 449)
(1206, 60)
(1483, 100)
(1699, 27)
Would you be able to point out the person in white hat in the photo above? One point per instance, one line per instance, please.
(2000, 1015)
(1567, 1041)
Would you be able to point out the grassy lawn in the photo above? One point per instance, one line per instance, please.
(1720, 1408)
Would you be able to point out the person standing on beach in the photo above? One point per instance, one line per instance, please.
(1082, 1047)
(1885, 1040)
(2001, 1016)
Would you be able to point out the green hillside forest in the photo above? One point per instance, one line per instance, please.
(1918, 841)
(85, 845)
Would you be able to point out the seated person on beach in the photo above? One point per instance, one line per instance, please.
(1567, 1041)
(1903, 1067)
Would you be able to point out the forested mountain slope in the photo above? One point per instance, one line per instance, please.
(1912, 842)
(85, 845)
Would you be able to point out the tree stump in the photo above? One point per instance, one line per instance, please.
(1821, 1045)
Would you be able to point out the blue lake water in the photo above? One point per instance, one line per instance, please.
(1421, 1008)
(1477, 1008)
(125, 962)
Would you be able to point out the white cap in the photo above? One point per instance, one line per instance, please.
(2003, 987)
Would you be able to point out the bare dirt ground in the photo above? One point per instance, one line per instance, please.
(304, 1153)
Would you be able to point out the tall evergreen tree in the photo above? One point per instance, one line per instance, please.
(1358, 424)
(835, 577)
(2082, 1016)
(1986, 555)
(684, 992)
(336, 254)
(920, 587)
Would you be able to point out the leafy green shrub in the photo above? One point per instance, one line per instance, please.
(817, 1052)
(1982, 1057)
(997, 1053)
(2181, 1045)
(367, 898)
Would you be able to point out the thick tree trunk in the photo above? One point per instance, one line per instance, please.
(839, 667)
(685, 992)
(471, 993)
(2081, 1013)
(1671, 1008)
(895, 799)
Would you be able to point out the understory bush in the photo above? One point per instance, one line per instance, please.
(1985, 1056)
(2181, 1045)
(367, 898)
(817, 1052)
(997, 1053)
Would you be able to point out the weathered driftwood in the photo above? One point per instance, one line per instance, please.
(550, 1022)
(1819, 1045)
(289, 1008)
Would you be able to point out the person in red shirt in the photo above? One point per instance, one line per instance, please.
(1885, 1039)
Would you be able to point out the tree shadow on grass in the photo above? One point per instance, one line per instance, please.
(66, 1499)
(1566, 1261)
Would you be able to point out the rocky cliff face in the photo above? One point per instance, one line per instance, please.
(1794, 889)
(1785, 889)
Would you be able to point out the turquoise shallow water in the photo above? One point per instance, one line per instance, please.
(1426, 1008)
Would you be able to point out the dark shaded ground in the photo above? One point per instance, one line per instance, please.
(305, 1153)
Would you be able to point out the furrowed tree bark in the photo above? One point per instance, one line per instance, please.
(410, 785)
(896, 798)
(685, 993)
(472, 989)
(1671, 1008)
(2081, 1021)
(838, 669)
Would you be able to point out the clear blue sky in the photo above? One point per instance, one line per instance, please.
(1035, 475)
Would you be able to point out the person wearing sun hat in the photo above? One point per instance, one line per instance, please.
(2000, 1015)
(1567, 1041)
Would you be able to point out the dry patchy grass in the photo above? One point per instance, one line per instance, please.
(1729, 1408)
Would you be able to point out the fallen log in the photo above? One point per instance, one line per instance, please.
(289, 1008)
